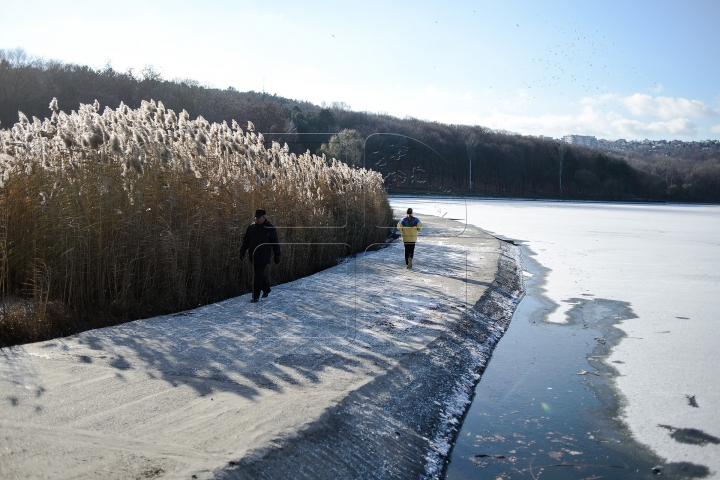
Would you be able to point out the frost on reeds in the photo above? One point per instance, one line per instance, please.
(128, 213)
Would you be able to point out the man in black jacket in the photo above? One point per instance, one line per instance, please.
(260, 237)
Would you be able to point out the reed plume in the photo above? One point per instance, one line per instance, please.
(128, 213)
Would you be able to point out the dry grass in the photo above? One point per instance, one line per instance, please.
(113, 216)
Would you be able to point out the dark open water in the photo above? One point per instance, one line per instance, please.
(534, 416)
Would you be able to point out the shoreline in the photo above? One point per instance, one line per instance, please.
(455, 196)
(427, 428)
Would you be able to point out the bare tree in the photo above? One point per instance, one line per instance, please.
(472, 137)
(471, 142)
(562, 150)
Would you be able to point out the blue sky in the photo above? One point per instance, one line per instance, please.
(613, 69)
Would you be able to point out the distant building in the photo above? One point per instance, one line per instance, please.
(587, 140)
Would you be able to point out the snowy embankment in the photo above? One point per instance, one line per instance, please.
(494, 310)
(361, 371)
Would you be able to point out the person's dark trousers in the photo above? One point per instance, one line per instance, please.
(259, 282)
(409, 251)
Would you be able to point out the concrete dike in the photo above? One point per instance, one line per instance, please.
(363, 370)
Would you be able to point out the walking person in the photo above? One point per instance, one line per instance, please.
(409, 227)
(260, 240)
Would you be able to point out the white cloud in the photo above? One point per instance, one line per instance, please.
(659, 88)
(678, 127)
(606, 116)
(590, 120)
(667, 107)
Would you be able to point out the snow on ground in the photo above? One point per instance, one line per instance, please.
(187, 393)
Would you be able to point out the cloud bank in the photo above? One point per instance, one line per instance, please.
(666, 107)
(609, 116)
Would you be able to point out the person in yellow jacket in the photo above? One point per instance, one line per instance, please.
(409, 228)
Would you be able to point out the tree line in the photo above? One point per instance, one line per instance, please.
(413, 155)
(689, 173)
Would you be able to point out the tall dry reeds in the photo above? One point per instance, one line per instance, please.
(124, 214)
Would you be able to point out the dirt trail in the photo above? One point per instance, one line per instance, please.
(359, 371)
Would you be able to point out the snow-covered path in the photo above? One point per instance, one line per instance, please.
(216, 391)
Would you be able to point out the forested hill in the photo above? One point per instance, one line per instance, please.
(413, 155)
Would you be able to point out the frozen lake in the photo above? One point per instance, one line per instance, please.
(661, 264)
